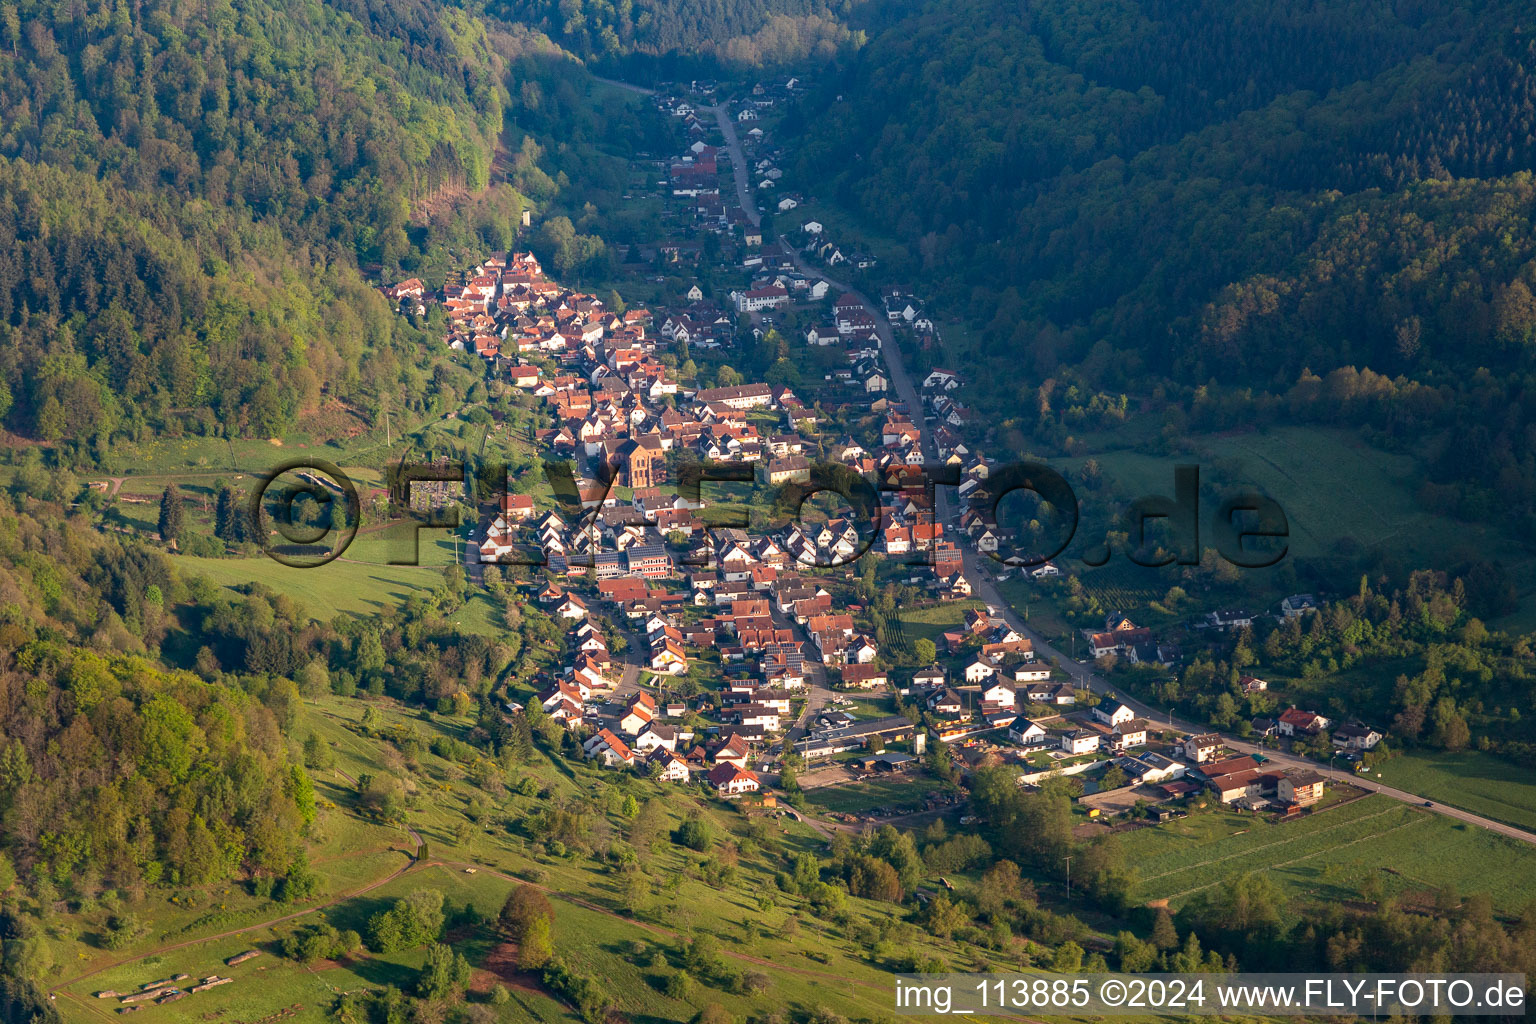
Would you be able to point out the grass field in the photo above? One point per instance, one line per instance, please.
(1328, 855)
(1473, 781)
(340, 586)
(901, 791)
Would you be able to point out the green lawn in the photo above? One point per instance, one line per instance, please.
(1473, 781)
(896, 791)
(340, 586)
(1326, 856)
(931, 622)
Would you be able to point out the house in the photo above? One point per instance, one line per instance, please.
(1079, 741)
(864, 677)
(636, 719)
(654, 735)
(517, 506)
(944, 702)
(1111, 712)
(1300, 723)
(1302, 787)
(1202, 747)
(734, 750)
(927, 678)
(978, 670)
(668, 658)
(1025, 732)
(731, 781)
(756, 299)
(863, 651)
(673, 767)
(1253, 684)
(608, 748)
(1130, 734)
(789, 469)
(1240, 785)
(1149, 769)
(1354, 736)
(759, 715)
(1060, 694)
(572, 607)
(1297, 605)
(1228, 619)
(999, 693)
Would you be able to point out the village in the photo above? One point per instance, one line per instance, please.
(752, 640)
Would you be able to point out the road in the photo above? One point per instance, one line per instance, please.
(982, 585)
(738, 165)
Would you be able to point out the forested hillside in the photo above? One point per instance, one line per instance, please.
(1320, 211)
(187, 191)
(114, 771)
(670, 38)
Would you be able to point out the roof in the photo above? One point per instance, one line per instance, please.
(725, 773)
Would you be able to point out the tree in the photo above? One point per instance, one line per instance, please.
(695, 834)
(413, 920)
(713, 1013)
(444, 975)
(172, 514)
(944, 918)
(225, 514)
(536, 945)
(1164, 935)
(1068, 958)
(369, 655)
(1448, 726)
(314, 679)
(524, 905)
(924, 650)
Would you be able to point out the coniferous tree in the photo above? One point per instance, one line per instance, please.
(172, 514)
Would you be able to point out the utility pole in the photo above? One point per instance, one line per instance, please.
(1069, 878)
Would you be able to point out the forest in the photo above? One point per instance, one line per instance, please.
(120, 771)
(654, 40)
(189, 193)
(1245, 214)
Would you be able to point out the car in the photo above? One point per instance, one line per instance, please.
(1428, 804)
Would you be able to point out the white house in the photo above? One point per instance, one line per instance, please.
(1025, 732)
(1111, 712)
(998, 692)
(730, 781)
(978, 670)
(1079, 741)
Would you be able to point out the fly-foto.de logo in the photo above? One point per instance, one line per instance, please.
(307, 512)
